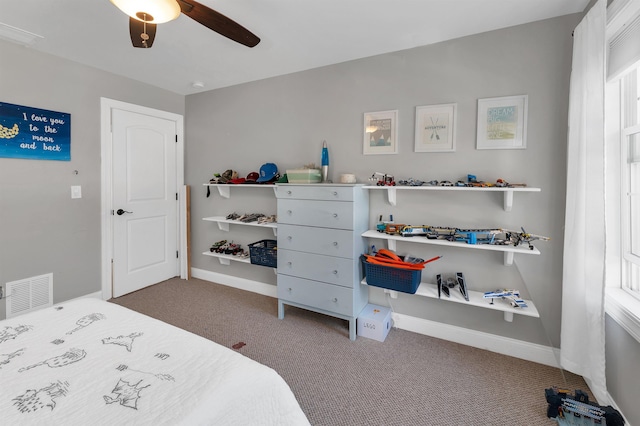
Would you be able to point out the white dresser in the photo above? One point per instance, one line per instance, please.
(319, 248)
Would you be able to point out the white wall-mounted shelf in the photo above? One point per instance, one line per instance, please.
(223, 224)
(508, 251)
(225, 189)
(225, 259)
(475, 299)
(508, 192)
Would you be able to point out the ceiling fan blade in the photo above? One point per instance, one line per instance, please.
(142, 34)
(218, 22)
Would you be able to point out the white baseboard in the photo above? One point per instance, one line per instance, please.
(608, 401)
(231, 281)
(545, 355)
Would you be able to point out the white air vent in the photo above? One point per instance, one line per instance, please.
(29, 294)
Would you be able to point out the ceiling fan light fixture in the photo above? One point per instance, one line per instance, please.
(156, 11)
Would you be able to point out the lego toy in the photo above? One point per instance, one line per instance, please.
(495, 236)
(450, 282)
(385, 180)
(512, 296)
(576, 409)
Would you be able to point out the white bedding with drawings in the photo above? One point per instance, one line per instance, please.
(91, 362)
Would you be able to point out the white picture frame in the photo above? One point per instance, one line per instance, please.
(502, 122)
(380, 133)
(435, 128)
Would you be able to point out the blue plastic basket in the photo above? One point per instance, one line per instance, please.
(397, 279)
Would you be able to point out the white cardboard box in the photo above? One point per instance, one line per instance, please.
(374, 322)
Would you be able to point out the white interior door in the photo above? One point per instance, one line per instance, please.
(145, 206)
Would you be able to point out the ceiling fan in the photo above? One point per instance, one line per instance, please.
(144, 15)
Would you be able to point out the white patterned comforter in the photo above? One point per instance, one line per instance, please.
(91, 362)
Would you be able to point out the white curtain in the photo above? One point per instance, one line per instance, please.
(582, 330)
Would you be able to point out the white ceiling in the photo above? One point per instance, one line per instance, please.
(296, 34)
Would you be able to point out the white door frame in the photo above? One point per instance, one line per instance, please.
(106, 205)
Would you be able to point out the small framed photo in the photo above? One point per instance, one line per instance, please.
(502, 123)
(380, 133)
(435, 128)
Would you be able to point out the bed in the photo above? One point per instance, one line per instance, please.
(92, 362)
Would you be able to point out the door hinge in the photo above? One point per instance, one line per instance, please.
(176, 196)
(177, 254)
(176, 138)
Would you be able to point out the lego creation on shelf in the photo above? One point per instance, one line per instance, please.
(383, 181)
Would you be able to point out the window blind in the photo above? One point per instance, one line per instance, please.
(624, 48)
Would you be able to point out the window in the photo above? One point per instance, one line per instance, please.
(630, 196)
(622, 124)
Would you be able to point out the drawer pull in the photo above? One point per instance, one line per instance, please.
(335, 215)
(289, 238)
(289, 212)
(290, 289)
(335, 272)
(335, 300)
(335, 193)
(288, 192)
(335, 244)
(289, 264)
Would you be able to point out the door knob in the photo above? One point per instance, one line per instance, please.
(121, 212)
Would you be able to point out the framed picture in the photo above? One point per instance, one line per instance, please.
(435, 128)
(502, 123)
(380, 132)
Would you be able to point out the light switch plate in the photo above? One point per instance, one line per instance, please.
(76, 191)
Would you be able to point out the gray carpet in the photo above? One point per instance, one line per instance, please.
(409, 379)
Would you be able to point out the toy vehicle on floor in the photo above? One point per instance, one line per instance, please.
(567, 409)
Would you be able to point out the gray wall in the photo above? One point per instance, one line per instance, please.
(623, 375)
(42, 229)
(285, 119)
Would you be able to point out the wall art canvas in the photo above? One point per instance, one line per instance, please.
(380, 132)
(502, 123)
(435, 128)
(34, 134)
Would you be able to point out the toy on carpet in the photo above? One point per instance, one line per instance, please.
(576, 409)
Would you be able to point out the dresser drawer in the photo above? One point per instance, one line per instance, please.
(330, 242)
(303, 192)
(315, 294)
(329, 269)
(327, 214)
